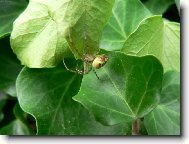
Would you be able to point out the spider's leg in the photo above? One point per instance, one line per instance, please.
(68, 68)
(96, 73)
(87, 67)
(79, 71)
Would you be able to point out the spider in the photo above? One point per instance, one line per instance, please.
(90, 62)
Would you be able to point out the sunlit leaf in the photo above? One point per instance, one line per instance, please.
(39, 32)
(159, 38)
(126, 16)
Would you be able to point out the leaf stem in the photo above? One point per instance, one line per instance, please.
(136, 127)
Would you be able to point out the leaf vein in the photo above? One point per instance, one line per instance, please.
(118, 94)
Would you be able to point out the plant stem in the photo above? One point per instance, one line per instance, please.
(136, 127)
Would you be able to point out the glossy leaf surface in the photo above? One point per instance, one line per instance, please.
(159, 38)
(126, 16)
(129, 87)
(50, 102)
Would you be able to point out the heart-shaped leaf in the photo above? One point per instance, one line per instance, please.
(47, 95)
(87, 20)
(165, 119)
(38, 33)
(129, 88)
(9, 11)
(126, 16)
(158, 6)
(9, 68)
(159, 38)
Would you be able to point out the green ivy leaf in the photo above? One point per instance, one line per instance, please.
(165, 118)
(9, 11)
(158, 7)
(159, 38)
(16, 127)
(9, 66)
(87, 20)
(126, 16)
(47, 95)
(129, 87)
(38, 33)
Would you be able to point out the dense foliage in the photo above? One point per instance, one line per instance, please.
(136, 92)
